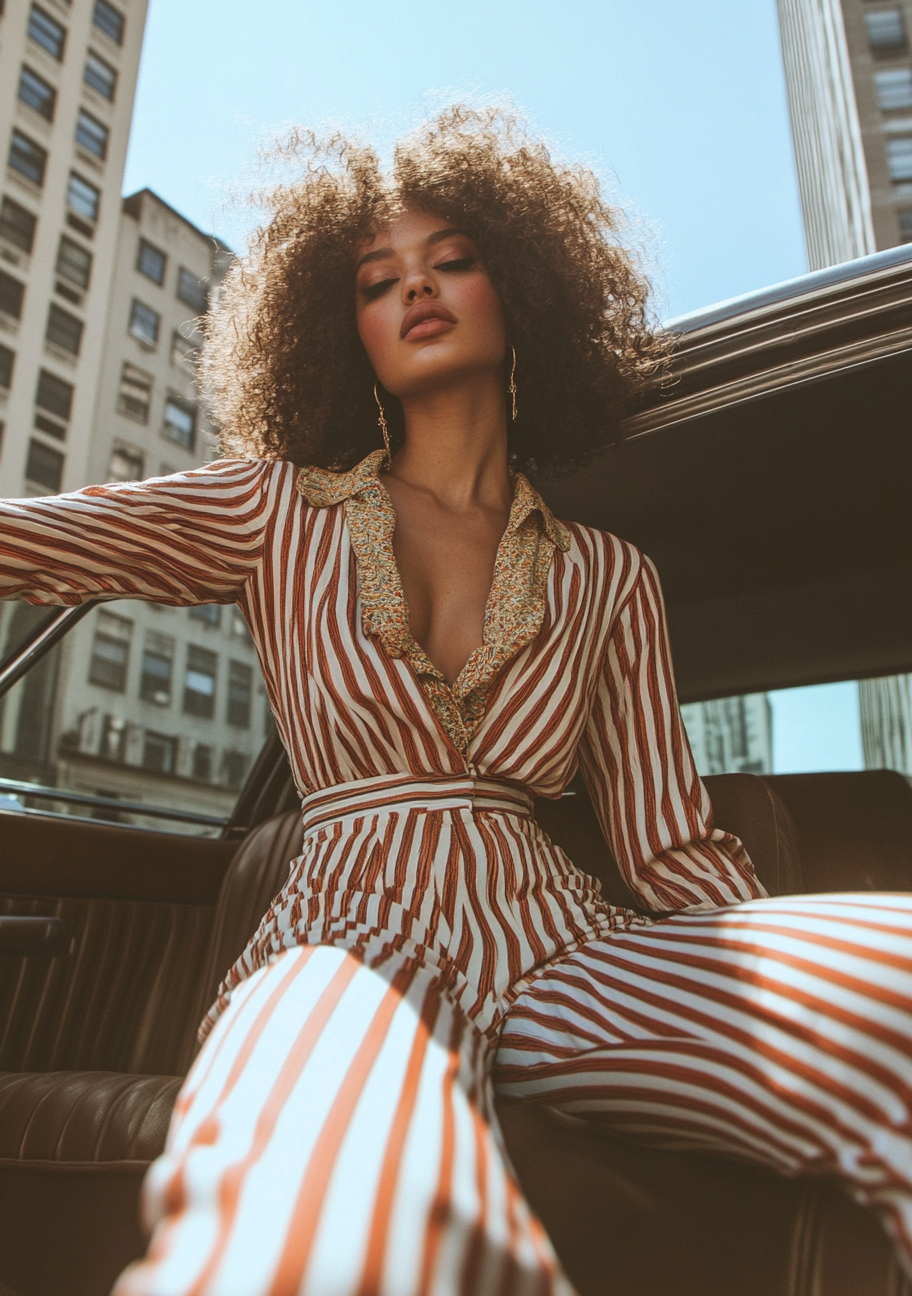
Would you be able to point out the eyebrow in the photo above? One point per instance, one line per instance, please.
(437, 237)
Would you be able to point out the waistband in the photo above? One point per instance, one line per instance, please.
(403, 792)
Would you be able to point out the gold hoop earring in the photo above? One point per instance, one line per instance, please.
(383, 428)
(513, 383)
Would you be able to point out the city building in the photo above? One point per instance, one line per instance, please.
(146, 703)
(848, 74)
(732, 735)
(68, 73)
(98, 302)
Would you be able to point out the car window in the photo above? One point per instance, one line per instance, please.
(139, 704)
(846, 725)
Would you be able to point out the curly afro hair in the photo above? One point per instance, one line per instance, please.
(285, 370)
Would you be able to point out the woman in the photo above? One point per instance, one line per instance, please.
(439, 650)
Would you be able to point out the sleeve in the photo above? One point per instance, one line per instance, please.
(637, 764)
(191, 538)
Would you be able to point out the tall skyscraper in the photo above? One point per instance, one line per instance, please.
(848, 73)
(68, 73)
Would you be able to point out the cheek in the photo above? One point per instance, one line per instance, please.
(378, 331)
(480, 303)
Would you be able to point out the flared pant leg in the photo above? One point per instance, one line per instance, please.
(333, 1139)
(778, 1031)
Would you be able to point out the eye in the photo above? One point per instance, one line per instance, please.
(457, 263)
(370, 291)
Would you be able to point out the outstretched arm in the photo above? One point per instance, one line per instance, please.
(191, 538)
(637, 764)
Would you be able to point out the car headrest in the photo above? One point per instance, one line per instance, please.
(854, 829)
(746, 805)
(743, 804)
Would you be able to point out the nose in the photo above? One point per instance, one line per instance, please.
(417, 286)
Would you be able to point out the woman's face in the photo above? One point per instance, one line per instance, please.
(426, 310)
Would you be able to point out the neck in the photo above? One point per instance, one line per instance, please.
(456, 444)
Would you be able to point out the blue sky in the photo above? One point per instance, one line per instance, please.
(678, 104)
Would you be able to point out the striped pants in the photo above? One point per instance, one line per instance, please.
(336, 1135)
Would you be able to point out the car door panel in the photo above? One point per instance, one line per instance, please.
(138, 907)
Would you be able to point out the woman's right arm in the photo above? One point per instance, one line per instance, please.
(191, 538)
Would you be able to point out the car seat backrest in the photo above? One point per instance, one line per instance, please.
(255, 876)
(746, 805)
(854, 829)
(743, 804)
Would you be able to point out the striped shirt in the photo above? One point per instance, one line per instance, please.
(589, 689)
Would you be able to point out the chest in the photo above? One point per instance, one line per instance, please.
(446, 568)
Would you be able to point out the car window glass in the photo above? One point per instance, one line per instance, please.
(846, 725)
(139, 703)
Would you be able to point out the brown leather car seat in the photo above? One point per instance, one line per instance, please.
(854, 829)
(627, 1220)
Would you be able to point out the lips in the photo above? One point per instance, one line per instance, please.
(426, 318)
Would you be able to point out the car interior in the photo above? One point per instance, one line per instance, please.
(771, 482)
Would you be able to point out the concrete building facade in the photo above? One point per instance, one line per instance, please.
(145, 703)
(732, 735)
(98, 302)
(848, 73)
(68, 73)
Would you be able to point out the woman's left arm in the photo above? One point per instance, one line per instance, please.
(637, 764)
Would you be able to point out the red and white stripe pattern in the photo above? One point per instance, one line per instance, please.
(779, 1031)
(335, 1137)
(428, 898)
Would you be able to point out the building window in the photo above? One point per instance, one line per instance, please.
(111, 652)
(234, 768)
(211, 613)
(74, 262)
(44, 466)
(240, 694)
(109, 20)
(36, 92)
(100, 76)
(894, 88)
(47, 33)
(151, 262)
(127, 463)
(159, 752)
(82, 197)
(144, 322)
(199, 682)
(905, 228)
(91, 134)
(886, 31)
(157, 667)
(50, 427)
(180, 421)
(135, 393)
(239, 627)
(191, 291)
(17, 225)
(7, 360)
(899, 158)
(202, 761)
(113, 745)
(12, 293)
(183, 351)
(27, 157)
(54, 395)
(64, 330)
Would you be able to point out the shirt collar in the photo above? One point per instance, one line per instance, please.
(322, 489)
